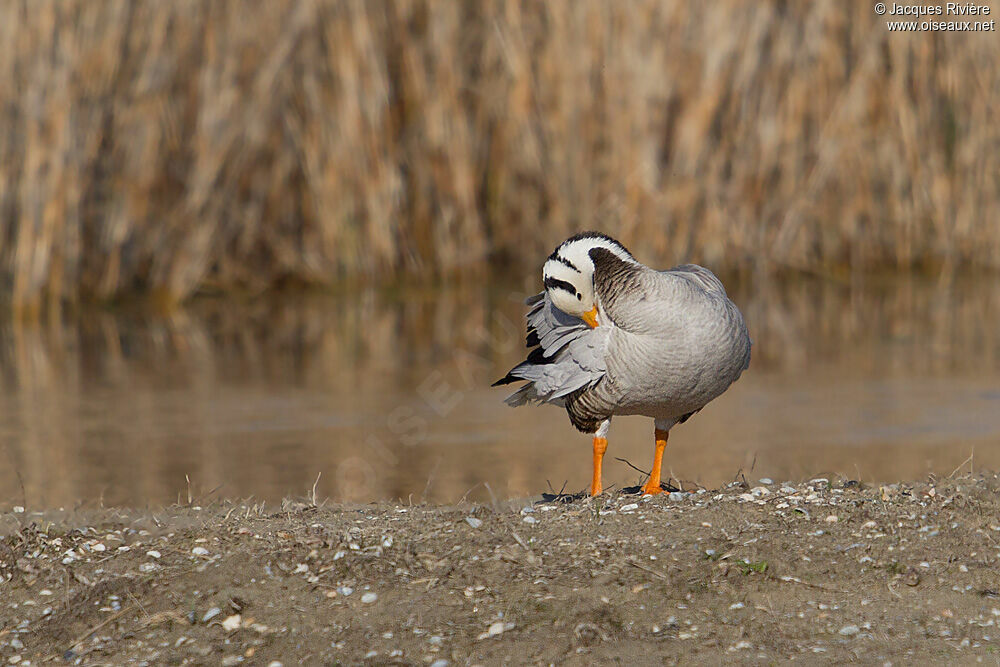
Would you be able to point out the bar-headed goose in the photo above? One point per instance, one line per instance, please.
(610, 336)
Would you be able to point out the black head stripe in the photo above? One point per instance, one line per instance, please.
(594, 235)
(562, 260)
(555, 283)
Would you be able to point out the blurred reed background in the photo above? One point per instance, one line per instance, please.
(184, 146)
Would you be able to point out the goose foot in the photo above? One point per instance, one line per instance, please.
(653, 485)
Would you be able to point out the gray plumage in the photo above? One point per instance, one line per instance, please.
(668, 343)
(570, 356)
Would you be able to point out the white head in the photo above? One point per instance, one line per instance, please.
(568, 274)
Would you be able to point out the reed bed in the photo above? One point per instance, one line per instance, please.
(172, 147)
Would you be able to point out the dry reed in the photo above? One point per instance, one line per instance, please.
(168, 147)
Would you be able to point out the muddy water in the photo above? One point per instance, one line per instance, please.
(386, 395)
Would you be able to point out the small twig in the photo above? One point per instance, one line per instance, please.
(100, 625)
(188, 480)
(629, 464)
(637, 564)
(796, 580)
(430, 478)
(161, 616)
(429, 581)
(320, 474)
(557, 495)
(778, 498)
(962, 464)
(493, 497)
(138, 604)
(465, 495)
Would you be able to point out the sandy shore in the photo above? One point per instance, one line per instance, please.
(829, 571)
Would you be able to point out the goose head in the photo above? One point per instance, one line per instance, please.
(568, 274)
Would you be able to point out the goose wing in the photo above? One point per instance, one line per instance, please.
(640, 300)
(680, 306)
(566, 355)
(700, 276)
(631, 295)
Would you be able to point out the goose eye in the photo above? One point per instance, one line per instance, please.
(579, 297)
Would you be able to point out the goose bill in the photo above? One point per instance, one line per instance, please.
(590, 317)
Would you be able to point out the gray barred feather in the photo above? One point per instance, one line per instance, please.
(700, 276)
(572, 356)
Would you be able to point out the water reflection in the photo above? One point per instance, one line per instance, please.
(387, 396)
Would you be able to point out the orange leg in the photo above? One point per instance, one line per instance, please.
(600, 446)
(653, 485)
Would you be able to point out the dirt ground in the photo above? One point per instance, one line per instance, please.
(820, 572)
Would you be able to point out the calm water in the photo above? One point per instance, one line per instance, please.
(387, 396)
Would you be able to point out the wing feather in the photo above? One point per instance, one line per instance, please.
(567, 356)
(700, 276)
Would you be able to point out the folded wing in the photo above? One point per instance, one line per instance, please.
(700, 276)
